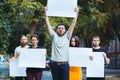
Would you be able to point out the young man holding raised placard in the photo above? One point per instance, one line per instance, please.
(60, 48)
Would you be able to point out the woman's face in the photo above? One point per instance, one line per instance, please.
(34, 41)
(73, 43)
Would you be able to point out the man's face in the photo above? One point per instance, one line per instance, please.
(23, 40)
(96, 42)
(60, 30)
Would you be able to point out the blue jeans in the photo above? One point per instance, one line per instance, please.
(60, 72)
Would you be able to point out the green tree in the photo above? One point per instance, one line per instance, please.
(17, 17)
(97, 18)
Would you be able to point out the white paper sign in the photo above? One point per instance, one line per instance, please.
(79, 56)
(32, 58)
(61, 8)
(96, 67)
(15, 70)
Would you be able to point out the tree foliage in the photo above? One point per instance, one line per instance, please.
(96, 17)
(16, 17)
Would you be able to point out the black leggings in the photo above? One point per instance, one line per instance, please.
(92, 78)
(20, 78)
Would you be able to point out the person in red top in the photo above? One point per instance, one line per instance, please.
(34, 73)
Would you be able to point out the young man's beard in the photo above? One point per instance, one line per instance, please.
(23, 44)
(60, 34)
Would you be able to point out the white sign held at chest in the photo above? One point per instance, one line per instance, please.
(32, 58)
(80, 57)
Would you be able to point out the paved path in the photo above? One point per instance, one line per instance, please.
(111, 74)
(47, 75)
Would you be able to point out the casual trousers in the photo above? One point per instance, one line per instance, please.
(60, 72)
(20, 78)
(95, 79)
(34, 75)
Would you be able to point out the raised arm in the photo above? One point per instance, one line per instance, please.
(49, 28)
(71, 28)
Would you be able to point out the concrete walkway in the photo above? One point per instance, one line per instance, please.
(110, 74)
(107, 77)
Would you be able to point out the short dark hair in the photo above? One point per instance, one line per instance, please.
(35, 35)
(60, 25)
(96, 37)
(22, 36)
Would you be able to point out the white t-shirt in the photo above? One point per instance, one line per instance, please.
(19, 49)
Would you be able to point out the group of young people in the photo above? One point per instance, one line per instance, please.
(32, 73)
(61, 41)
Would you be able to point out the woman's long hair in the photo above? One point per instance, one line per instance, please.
(77, 41)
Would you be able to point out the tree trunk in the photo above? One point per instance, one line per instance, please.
(32, 28)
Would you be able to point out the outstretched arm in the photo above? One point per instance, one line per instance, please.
(16, 55)
(71, 28)
(106, 58)
(49, 28)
